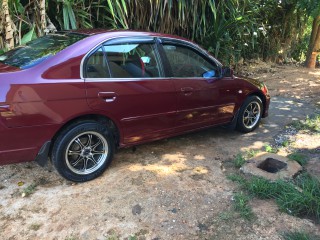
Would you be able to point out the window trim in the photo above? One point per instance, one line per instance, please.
(194, 47)
(118, 40)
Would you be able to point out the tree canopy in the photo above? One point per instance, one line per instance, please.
(273, 30)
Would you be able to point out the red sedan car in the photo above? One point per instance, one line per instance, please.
(74, 97)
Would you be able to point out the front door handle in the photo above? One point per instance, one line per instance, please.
(107, 96)
(187, 90)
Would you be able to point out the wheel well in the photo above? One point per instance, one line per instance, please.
(262, 97)
(98, 118)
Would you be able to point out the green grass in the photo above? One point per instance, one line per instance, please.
(35, 226)
(251, 153)
(298, 157)
(239, 161)
(299, 236)
(270, 149)
(311, 123)
(300, 197)
(237, 178)
(29, 190)
(241, 205)
(285, 143)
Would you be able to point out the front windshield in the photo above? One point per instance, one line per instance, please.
(36, 51)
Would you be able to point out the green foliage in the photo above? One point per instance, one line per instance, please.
(239, 161)
(311, 124)
(231, 30)
(29, 190)
(299, 236)
(299, 198)
(29, 36)
(251, 153)
(299, 157)
(270, 149)
(241, 205)
(237, 178)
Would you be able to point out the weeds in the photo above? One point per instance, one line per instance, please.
(300, 197)
(241, 205)
(29, 190)
(35, 226)
(285, 143)
(298, 157)
(237, 178)
(270, 149)
(71, 238)
(251, 153)
(311, 123)
(299, 236)
(239, 161)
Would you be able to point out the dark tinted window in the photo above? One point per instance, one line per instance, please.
(185, 62)
(132, 60)
(39, 49)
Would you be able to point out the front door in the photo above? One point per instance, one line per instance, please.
(203, 98)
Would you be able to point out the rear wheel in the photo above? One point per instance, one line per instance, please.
(250, 114)
(83, 151)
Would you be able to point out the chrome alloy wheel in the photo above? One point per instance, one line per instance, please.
(251, 114)
(86, 153)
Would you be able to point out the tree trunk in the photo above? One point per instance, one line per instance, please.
(8, 25)
(42, 5)
(314, 44)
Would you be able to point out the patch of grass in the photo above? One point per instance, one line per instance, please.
(241, 205)
(132, 237)
(239, 161)
(226, 216)
(311, 123)
(237, 178)
(251, 153)
(299, 236)
(285, 143)
(112, 235)
(71, 238)
(298, 198)
(262, 188)
(35, 227)
(270, 149)
(29, 190)
(299, 157)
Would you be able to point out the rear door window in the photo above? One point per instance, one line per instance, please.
(132, 60)
(124, 60)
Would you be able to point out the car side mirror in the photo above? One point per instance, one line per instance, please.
(209, 74)
(227, 72)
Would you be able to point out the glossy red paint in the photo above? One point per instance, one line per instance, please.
(36, 103)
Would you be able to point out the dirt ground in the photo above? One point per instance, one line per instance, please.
(170, 189)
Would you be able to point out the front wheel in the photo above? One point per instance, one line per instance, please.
(83, 151)
(250, 114)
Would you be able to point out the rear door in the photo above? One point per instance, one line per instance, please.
(204, 98)
(124, 79)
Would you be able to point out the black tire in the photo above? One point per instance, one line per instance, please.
(250, 114)
(83, 151)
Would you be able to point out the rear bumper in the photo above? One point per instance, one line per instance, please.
(23, 144)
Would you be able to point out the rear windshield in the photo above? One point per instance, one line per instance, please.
(37, 50)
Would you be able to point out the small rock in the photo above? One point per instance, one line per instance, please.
(136, 210)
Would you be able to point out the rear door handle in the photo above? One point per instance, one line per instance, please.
(187, 90)
(107, 96)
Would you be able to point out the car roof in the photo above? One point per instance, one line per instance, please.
(97, 31)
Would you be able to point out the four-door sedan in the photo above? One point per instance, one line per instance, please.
(74, 97)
